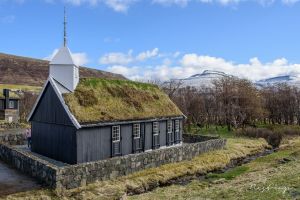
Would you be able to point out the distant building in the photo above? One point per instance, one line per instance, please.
(80, 120)
(9, 106)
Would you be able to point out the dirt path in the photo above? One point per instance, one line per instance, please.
(12, 181)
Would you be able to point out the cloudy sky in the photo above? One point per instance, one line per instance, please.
(160, 39)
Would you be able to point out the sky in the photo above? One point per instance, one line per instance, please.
(160, 39)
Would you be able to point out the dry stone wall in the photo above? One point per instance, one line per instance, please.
(12, 139)
(29, 164)
(82, 174)
(73, 176)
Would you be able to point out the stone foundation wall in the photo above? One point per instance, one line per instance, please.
(11, 115)
(73, 176)
(6, 125)
(13, 139)
(30, 165)
(82, 174)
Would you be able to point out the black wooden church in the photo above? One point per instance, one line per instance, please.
(78, 120)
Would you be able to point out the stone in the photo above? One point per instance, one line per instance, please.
(69, 177)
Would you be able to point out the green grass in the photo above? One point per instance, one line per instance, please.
(264, 178)
(35, 89)
(230, 174)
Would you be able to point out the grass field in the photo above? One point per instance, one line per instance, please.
(276, 176)
(212, 130)
(35, 89)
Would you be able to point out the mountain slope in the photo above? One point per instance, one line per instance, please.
(28, 71)
(202, 80)
(288, 79)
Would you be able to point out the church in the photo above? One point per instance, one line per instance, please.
(77, 120)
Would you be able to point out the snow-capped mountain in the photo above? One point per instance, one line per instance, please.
(289, 79)
(206, 79)
(201, 80)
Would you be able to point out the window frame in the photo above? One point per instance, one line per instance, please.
(177, 125)
(155, 128)
(11, 104)
(116, 134)
(169, 126)
(136, 131)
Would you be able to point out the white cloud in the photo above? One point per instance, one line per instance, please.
(116, 58)
(147, 54)
(119, 5)
(123, 6)
(289, 2)
(119, 58)
(80, 59)
(191, 64)
(116, 5)
(181, 3)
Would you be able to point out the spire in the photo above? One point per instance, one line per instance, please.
(65, 27)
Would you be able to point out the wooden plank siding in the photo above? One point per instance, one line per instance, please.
(93, 144)
(96, 143)
(50, 109)
(53, 133)
(54, 141)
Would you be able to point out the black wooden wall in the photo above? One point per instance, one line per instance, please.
(53, 133)
(93, 144)
(96, 143)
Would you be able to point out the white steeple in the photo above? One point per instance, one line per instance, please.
(62, 66)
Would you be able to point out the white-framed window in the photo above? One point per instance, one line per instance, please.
(116, 137)
(155, 128)
(169, 124)
(11, 104)
(177, 125)
(136, 131)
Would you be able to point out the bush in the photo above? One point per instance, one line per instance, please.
(290, 131)
(272, 137)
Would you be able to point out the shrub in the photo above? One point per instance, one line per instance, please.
(272, 137)
(290, 131)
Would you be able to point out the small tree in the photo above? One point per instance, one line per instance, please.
(26, 104)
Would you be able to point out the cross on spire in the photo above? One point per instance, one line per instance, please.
(65, 27)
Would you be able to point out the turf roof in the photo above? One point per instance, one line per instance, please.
(98, 100)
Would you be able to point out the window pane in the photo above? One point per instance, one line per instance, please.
(177, 125)
(155, 128)
(116, 134)
(136, 131)
(169, 126)
(11, 104)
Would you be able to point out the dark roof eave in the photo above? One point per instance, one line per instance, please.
(109, 123)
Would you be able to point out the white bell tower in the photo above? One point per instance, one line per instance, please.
(62, 66)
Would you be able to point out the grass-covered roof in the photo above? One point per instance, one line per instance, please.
(100, 100)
